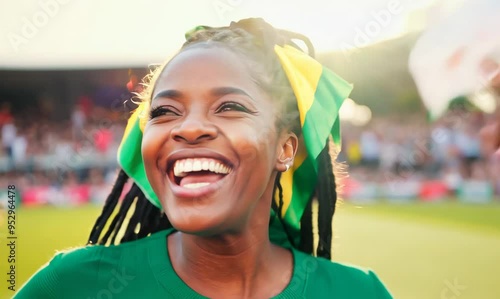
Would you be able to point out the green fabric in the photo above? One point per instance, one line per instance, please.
(142, 269)
(304, 181)
(320, 94)
(321, 121)
(130, 157)
(322, 117)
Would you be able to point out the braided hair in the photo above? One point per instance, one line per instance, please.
(253, 39)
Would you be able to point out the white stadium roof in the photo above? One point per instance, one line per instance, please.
(73, 34)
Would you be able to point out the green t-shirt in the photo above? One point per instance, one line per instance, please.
(142, 269)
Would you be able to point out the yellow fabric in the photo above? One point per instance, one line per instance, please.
(308, 72)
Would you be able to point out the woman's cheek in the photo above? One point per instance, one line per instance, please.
(147, 146)
(151, 145)
(254, 144)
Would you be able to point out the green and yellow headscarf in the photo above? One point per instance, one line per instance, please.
(319, 92)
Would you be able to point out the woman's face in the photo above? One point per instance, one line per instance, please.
(211, 147)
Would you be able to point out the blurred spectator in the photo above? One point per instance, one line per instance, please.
(19, 147)
(469, 147)
(389, 154)
(442, 141)
(370, 149)
(353, 152)
(78, 120)
(5, 114)
(86, 105)
(9, 133)
(103, 139)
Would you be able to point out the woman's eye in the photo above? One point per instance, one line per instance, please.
(163, 110)
(232, 106)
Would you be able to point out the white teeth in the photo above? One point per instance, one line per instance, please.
(211, 166)
(178, 169)
(195, 185)
(182, 167)
(196, 165)
(188, 166)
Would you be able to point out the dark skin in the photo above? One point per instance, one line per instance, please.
(211, 106)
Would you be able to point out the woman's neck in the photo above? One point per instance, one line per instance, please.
(244, 265)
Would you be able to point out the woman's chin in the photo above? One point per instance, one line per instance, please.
(197, 217)
(197, 223)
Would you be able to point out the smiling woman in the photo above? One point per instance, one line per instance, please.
(229, 147)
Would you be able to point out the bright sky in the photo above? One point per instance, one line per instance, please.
(85, 34)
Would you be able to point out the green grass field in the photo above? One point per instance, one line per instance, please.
(443, 250)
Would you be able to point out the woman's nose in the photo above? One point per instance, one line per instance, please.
(194, 130)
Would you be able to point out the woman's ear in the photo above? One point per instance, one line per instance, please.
(286, 152)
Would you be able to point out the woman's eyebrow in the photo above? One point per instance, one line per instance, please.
(169, 93)
(217, 92)
(222, 91)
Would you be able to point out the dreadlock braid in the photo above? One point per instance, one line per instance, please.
(326, 196)
(327, 199)
(108, 208)
(255, 40)
(147, 217)
(306, 230)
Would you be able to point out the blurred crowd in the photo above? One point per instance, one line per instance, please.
(448, 150)
(53, 159)
(37, 151)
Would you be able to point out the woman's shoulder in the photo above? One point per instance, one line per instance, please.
(342, 279)
(70, 271)
(89, 254)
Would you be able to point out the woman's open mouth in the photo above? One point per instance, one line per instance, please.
(196, 173)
